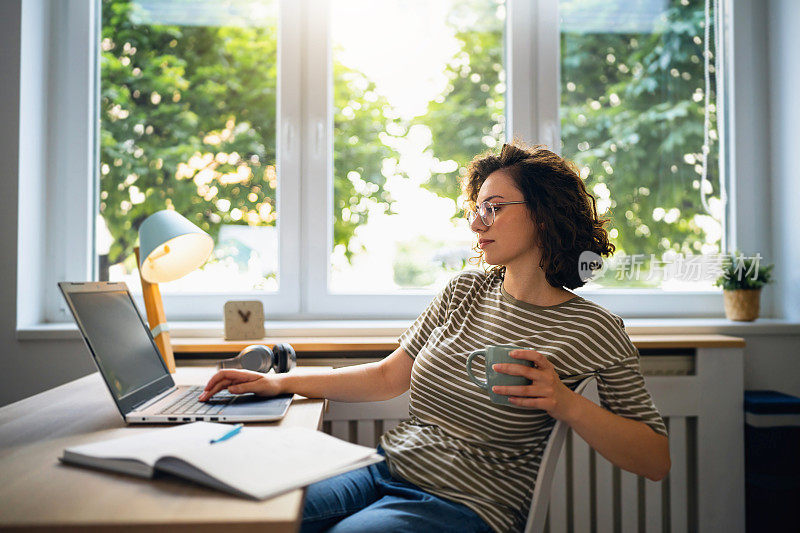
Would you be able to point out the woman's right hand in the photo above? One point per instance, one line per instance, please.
(240, 382)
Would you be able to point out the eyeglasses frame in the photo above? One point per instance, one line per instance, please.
(472, 215)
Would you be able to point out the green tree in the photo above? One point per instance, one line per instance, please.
(630, 114)
(188, 121)
(359, 120)
(469, 116)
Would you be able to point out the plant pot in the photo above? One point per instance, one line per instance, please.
(742, 305)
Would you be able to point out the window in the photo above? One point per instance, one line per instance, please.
(414, 99)
(320, 142)
(634, 101)
(188, 121)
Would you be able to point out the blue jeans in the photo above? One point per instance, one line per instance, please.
(370, 499)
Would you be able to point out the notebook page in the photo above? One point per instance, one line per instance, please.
(266, 461)
(148, 446)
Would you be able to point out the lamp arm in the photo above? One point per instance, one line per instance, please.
(156, 319)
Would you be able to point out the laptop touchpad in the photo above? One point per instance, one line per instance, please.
(249, 403)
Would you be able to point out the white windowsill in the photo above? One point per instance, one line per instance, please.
(393, 328)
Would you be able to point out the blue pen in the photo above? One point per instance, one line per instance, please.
(234, 430)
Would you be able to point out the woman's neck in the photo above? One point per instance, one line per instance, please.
(531, 286)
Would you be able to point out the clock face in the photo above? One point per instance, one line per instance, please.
(244, 320)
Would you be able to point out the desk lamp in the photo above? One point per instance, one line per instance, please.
(169, 248)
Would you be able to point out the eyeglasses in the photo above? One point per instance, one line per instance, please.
(486, 211)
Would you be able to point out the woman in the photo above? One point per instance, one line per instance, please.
(463, 463)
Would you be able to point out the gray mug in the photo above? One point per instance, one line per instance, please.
(498, 354)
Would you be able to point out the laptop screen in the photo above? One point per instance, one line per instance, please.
(122, 348)
(119, 341)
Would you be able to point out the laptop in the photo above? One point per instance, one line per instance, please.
(129, 361)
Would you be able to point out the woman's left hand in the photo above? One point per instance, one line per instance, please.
(546, 390)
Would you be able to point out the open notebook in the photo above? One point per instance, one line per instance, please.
(257, 463)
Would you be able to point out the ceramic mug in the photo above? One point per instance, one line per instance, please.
(498, 354)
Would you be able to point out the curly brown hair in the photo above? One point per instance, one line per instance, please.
(556, 197)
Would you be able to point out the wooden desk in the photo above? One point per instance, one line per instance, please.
(39, 493)
(187, 347)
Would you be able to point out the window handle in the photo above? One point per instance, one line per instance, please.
(550, 136)
(288, 136)
(319, 135)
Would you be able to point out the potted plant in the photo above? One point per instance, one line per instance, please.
(741, 280)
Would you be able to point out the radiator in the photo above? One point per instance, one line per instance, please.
(700, 398)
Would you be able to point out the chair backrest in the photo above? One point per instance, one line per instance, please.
(547, 469)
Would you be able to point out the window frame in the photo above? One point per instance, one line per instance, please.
(305, 165)
(81, 33)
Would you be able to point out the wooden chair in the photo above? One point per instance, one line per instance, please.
(359, 423)
(544, 479)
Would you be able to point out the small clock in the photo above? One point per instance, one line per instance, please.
(244, 320)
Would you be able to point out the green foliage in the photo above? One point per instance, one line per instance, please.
(418, 263)
(629, 117)
(471, 110)
(415, 268)
(359, 120)
(188, 122)
(409, 273)
(187, 119)
(744, 272)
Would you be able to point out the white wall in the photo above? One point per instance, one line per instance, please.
(784, 114)
(26, 367)
(749, 135)
(768, 116)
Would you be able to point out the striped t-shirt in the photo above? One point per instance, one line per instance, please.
(459, 445)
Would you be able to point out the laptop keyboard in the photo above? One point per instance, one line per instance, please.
(188, 404)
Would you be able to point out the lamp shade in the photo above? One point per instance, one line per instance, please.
(170, 247)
